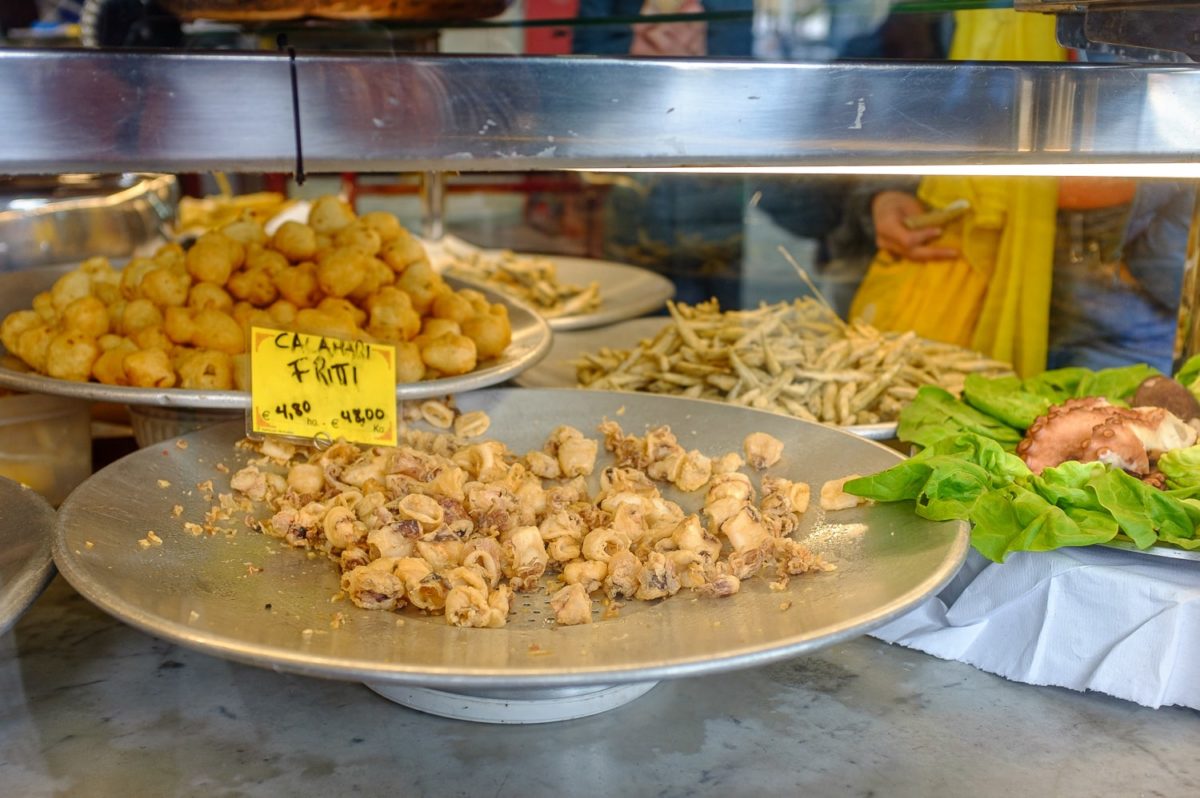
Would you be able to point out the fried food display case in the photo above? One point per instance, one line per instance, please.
(87, 111)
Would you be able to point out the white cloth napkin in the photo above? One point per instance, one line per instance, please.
(1122, 623)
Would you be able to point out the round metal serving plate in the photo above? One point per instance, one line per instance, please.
(626, 292)
(556, 369)
(1157, 550)
(205, 592)
(26, 523)
(531, 338)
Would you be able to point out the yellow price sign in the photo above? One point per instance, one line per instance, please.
(316, 386)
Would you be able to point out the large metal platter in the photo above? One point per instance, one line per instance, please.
(26, 521)
(203, 593)
(556, 371)
(626, 292)
(531, 338)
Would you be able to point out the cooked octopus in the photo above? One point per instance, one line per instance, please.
(1091, 429)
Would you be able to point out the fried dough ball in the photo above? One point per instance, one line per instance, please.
(359, 236)
(214, 257)
(153, 338)
(318, 321)
(385, 225)
(491, 333)
(71, 286)
(111, 341)
(296, 241)
(409, 365)
(106, 281)
(43, 305)
(282, 312)
(241, 371)
(299, 285)
(335, 306)
(477, 300)
(180, 325)
(109, 368)
(341, 271)
(246, 315)
(450, 354)
(329, 214)
(376, 276)
(132, 274)
(16, 323)
(219, 331)
(324, 247)
(166, 287)
(246, 231)
(403, 251)
(70, 356)
(432, 327)
(206, 370)
(391, 308)
(268, 260)
(149, 368)
(453, 307)
(32, 345)
(255, 286)
(139, 314)
(422, 284)
(209, 296)
(171, 256)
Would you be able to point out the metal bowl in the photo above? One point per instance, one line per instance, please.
(67, 218)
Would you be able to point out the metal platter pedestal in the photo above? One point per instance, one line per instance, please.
(540, 705)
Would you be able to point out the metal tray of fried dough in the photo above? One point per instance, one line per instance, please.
(206, 592)
(531, 338)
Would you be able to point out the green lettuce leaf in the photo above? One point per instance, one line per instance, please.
(944, 479)
(1181, 467)
(1117, 385)
(1057, 385)
(1016, 518)
(1005, 399)
(935, 414)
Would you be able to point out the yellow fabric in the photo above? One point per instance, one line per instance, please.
(996, 296)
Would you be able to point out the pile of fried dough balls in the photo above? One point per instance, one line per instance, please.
(182, 318)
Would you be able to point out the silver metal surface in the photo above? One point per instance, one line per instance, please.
(515, 706)
(556, 369)
(202, 593)
(47, 220)
(626, 292)
(531, 338)
(433, 205)
(68, 110)
(26, 521)
(1157, 550)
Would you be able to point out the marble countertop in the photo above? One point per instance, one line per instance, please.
(92, 707)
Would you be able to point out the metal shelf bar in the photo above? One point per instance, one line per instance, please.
(105, 111)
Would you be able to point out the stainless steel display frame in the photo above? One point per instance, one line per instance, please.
(92, 110)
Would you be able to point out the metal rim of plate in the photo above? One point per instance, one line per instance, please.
(26, 565)
(571, 344)
(626, 292)
(193, 591)
(1157, 550)
(531, 342)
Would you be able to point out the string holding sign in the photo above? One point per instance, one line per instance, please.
(319, 386)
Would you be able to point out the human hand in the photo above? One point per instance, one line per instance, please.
(889, 209)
